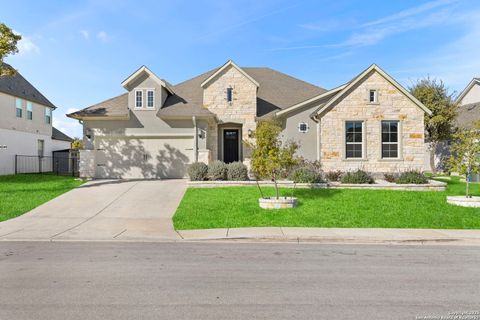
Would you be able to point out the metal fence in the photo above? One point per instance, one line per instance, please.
(58, 164)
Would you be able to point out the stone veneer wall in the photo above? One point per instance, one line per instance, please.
(241, 110)
(392, 105)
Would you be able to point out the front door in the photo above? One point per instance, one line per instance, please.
(230, 145)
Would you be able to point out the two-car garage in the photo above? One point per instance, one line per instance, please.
(143, 157)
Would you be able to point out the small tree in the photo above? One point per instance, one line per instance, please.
(270, 156)
(8, 45)
(77, 144)
(465, 157)
(440, 125)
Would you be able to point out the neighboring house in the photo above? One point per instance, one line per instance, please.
(25, 123)
(155, 129)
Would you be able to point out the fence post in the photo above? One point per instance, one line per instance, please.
(16, 163)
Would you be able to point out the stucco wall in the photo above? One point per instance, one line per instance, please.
(392, 105)
(472, 96)
(9, 120)
(24, 143)
(242, 110)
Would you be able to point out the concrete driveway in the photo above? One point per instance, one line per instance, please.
(103, 210)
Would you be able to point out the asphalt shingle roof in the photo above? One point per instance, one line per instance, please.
(18, 86)
(277, 91)
(59, 135)
(468, 114)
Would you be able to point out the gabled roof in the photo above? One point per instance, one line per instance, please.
(468, 115)
(229, 63)
(17, 85)
(467, 88)
(145, 70)
(59, 135)
(277, 91)
(360, 77)
(114, 108)
(310, 101)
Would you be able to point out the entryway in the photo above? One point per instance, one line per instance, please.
(231, 145)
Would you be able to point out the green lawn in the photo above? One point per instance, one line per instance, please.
(203, 208)
(21, 193)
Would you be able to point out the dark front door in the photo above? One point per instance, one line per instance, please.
(230, 145)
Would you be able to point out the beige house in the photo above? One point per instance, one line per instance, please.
(26, 125)
(156, 129)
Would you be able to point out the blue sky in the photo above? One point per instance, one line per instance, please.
(77, 53)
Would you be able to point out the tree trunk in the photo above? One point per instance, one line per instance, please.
(276, 186)
(260, 189)
(433, 152)
(467, 193)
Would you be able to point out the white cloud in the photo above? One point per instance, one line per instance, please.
(103, 36)
(85, 34)
(26, 46)
(68, 126)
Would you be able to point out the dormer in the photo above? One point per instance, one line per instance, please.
(230, 92)
(146, 91)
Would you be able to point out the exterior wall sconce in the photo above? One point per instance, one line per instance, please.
(250, 133)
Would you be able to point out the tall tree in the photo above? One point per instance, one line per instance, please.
(465, 158)
(8, 45)
(440, 125)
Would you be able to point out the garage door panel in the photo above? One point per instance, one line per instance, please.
(143, 158)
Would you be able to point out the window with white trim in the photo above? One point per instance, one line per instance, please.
(29, 110)
(18, 107)
(229, 94)
(150, 99)
(302, 127)
(373, 96)
(390, 139)
(354, 139)
(138, 99)
(48, 115)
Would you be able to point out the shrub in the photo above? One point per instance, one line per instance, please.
(390, 177)
(334, 175)
(197, 171)
(412, 176)
(237, 171)
(357, 177)
(217, 170)
(305, 175)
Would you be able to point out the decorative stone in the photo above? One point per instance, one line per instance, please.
(280, 203)
(464, 201)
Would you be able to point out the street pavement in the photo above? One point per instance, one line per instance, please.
(162, 280)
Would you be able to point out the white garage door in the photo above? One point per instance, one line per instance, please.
(137, 158)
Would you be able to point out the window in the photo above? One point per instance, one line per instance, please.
(389, 139)
(353, 139)
(373, 96)
(18, 107)
(302, 127)
(150, 99)
(229, 94)
(29, 110)
(138, 99)
(40, 147)
(48, 115)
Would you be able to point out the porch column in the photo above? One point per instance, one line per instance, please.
(195, 139)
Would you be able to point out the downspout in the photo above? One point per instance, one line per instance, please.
(318, 144)
(195, 139)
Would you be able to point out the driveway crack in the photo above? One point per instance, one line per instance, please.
(96, 214)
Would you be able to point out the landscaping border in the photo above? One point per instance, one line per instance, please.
(379, 184)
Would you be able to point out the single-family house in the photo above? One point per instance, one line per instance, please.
(155, 129)
(26, 124)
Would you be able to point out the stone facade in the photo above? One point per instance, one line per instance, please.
(242, 110)
(355, 106)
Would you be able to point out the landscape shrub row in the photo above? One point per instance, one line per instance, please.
(217, 170)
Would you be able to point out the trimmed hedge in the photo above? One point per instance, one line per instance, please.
(197, 171)
(358, 177)
(217, 170)
(237, 171)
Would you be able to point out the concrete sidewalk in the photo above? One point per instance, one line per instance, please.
(337, 235)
